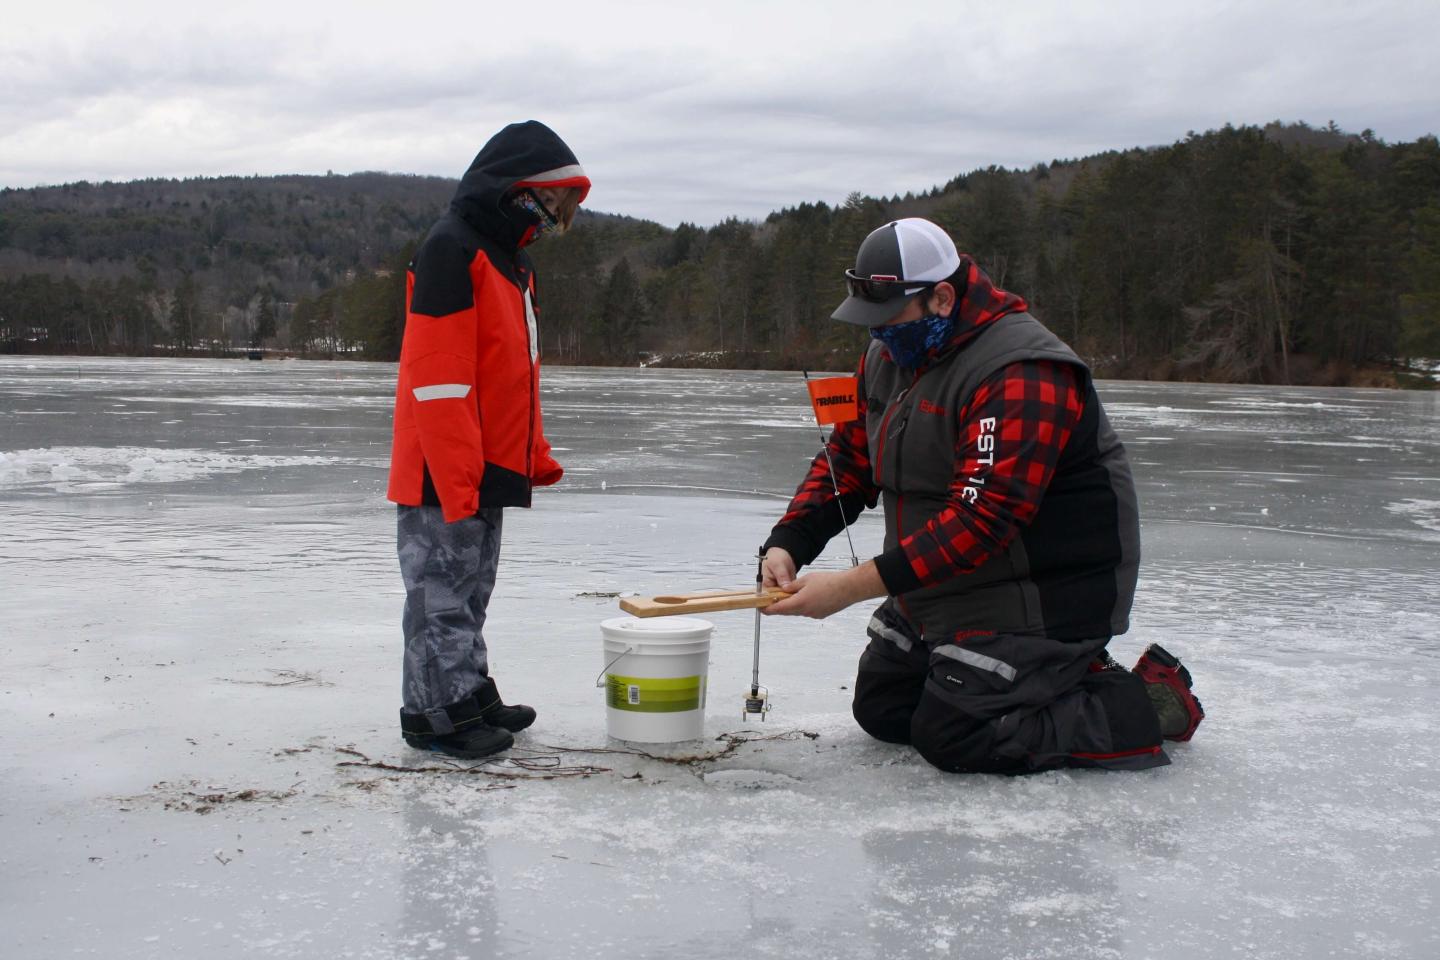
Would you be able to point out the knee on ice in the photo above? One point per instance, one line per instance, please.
(962, 745)
(890, 724)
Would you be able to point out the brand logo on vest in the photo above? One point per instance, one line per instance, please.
(985, 459)
(927, 407)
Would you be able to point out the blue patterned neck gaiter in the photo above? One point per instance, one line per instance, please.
(546, 223)
(910, 343)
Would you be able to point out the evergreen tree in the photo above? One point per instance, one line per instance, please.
(1420, 306)
(266, 320)
(621, 315)
(183, 314)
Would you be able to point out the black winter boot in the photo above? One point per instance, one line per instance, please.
(515, 717)
(459, 730)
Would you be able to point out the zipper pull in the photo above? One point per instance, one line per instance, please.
(900, 399)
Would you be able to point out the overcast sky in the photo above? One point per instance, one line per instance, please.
(683, 111)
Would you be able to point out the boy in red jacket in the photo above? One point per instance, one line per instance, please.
(468, 440)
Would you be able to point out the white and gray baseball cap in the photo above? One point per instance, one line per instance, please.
(895, 262)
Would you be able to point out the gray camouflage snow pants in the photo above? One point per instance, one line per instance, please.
(449, 573)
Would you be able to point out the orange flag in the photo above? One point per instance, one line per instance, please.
(834, 399)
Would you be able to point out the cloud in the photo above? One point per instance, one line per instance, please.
(687, 112)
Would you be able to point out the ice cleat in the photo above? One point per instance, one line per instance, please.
(1168, 684)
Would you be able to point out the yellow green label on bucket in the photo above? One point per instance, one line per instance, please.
(654, 695)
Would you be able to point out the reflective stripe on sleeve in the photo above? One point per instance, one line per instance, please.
(442, 391)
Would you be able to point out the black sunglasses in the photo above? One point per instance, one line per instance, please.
(882, 287)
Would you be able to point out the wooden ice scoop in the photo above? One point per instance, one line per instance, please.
(673, 604)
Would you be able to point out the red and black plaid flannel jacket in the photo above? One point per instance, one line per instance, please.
(1039, 403)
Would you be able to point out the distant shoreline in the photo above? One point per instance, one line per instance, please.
(1419, 374)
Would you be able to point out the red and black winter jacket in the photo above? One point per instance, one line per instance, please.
(468, 429)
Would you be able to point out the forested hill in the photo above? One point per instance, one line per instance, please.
(1280, 254)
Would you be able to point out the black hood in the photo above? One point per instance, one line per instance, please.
(522, 154)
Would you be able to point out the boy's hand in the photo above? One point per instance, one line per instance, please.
(778, 567)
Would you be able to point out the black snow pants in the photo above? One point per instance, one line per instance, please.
(1002, 703)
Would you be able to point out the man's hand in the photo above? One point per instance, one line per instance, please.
(820, 594)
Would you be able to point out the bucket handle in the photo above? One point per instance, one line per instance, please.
(599, 681)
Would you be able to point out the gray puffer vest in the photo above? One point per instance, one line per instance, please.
(1071, 572)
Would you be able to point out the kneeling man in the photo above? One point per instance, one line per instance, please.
(1012, 538)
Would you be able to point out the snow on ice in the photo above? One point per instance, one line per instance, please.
(200, 669)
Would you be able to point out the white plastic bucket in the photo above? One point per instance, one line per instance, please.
(654, 678)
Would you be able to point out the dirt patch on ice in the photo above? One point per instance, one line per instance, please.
(191, 798)
(559, 762)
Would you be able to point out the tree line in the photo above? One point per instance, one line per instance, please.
(1274, 254)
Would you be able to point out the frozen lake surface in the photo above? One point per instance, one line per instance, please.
(199, 679)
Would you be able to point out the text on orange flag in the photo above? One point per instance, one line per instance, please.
(834, 399)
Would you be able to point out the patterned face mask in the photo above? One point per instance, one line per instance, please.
(546, 223)
(909, 343)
